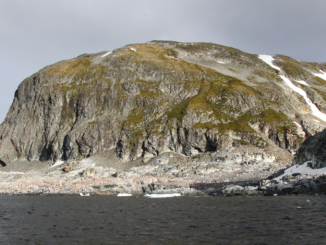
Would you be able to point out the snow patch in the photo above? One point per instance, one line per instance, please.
(162, 195)
(133, 49)
(268, 59)
(124, 195)
(106, 54)
(221, 62)
(298, 125)
(322, 75)
(58, 163)
(303, 82)
(302, 169)
(313, 107)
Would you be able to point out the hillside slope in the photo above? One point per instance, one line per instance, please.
(146, 99)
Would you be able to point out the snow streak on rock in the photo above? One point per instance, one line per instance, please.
(315, 111)
(322, 75)
(303, 82)
(268, 59)
(106, 54)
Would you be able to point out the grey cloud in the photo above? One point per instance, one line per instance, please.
(37, 33)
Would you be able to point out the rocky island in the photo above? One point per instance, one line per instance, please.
(166, 117)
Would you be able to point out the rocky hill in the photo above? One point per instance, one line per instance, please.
(142, 100)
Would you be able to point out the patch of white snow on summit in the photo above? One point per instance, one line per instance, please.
(268, 59)
(106, 54)
(302, 169)
(303, 82)
(313, 107)
(133, 49)
(322, 75)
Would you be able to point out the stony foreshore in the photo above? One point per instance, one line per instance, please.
(254, 175)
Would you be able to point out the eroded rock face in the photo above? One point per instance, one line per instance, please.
(163, 97)
(313, 150)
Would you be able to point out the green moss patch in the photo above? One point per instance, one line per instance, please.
(268, 116)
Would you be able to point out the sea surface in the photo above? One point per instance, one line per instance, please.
(177, 220)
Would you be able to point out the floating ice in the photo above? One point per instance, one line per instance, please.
(124, 195)
(268, 59)
(106, 54)
(82, 195)
(302, 169)
(162, 195)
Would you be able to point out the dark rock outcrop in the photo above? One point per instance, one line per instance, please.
(313, 150)
(146, 99)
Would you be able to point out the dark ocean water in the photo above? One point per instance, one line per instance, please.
(178, 220)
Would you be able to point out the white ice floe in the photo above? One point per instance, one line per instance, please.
(124, 195)
(268, 59)
(82, 195)
(322, 75)
(58, 163)
(162, 195)
(106, 54)
(303, 82)
(302, 169)
(133, 49)
(313, 107)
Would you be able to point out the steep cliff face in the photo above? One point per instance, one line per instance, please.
(312, 151)
(146, 99)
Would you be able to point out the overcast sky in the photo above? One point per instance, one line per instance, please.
(36, 33)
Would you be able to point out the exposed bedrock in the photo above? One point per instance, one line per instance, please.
(313, 151)
(163, 97)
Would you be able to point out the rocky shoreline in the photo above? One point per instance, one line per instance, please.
(247, 174)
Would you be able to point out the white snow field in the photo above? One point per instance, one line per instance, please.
(322, 75)
(221, 62)
(106, 54)
(124, 195)
(268, 59)
(162, 195)
(133, 49)
(302, 169)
